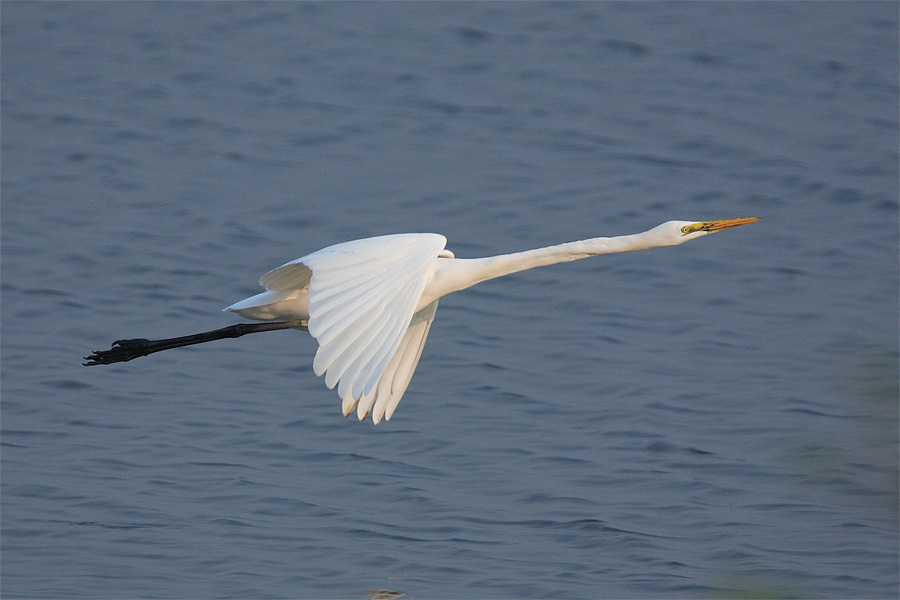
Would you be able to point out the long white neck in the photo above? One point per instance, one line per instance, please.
(454, 274)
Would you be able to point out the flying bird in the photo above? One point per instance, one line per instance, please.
(369, 303)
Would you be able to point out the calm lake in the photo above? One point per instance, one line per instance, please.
(714, 420)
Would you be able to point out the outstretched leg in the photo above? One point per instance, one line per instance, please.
(125, 350)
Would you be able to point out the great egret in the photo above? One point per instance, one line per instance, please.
(370, 303)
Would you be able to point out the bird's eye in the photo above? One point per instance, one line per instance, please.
(686, 229)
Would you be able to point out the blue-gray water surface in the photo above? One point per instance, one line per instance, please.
(717, 419)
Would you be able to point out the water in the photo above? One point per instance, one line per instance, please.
(713, 420)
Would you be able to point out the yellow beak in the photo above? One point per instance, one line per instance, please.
(712, 226)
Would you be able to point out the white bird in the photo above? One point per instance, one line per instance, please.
(369, 303)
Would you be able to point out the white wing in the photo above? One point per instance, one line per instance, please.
(290, 276)
(362, 296)
(395, 378)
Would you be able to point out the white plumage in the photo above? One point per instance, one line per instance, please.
(360, 299)
(370, 303)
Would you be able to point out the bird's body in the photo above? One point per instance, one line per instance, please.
(370, 303)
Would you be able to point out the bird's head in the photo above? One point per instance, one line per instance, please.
(672, 233)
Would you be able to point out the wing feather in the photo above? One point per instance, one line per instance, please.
(396, 377)
(362, 296)
(380, 344)
(289, 276)
(334, 309)
(359, 355)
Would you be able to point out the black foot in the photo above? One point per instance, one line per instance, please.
(121, 351)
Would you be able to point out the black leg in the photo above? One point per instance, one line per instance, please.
(125, 350)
